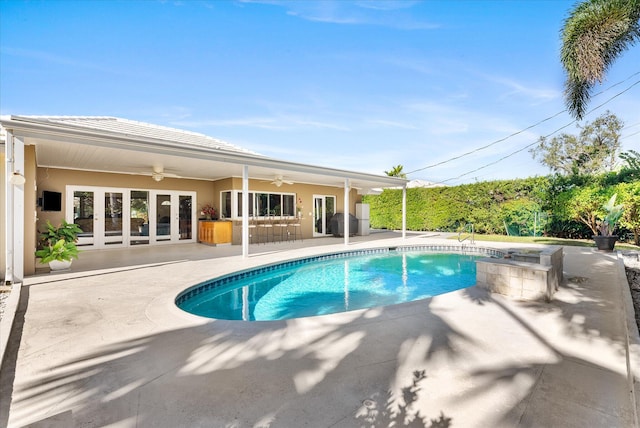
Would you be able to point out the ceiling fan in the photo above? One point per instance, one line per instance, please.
(157, 172)
(278, 180)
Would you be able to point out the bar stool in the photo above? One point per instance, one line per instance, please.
(264, 228)
(282, 225)
(253, 230)
(296, 225)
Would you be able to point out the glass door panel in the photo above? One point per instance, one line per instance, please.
(163, 217)
(318, 210)
(330, 205)
(83, 209)
(186, 217)
(139, 217)
(113, 218)
(324, 207)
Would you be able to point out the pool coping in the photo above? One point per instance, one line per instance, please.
(226, 279)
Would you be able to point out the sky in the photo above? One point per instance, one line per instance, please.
(356, 85)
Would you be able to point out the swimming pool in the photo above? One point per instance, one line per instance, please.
(334, 283)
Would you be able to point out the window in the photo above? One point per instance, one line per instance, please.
(261, 204)
(225, 204)
(251, 209)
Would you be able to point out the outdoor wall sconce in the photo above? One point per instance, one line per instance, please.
(17, 179)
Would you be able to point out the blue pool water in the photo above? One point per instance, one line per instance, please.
(329, 285)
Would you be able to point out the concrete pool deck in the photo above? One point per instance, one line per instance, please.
(103, 345)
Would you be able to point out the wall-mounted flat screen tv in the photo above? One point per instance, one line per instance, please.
(51, 201)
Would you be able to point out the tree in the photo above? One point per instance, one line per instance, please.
(632, 158)
(396, 171)
(630, 196)
(593, 36)
(584, 204)
(593, 151)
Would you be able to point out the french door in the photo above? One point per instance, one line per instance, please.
(116, 217)
(324, 207)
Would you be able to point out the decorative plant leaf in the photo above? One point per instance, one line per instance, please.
(59, 243)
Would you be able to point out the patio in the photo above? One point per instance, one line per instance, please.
(104, 345)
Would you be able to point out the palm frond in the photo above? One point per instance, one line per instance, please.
(594, 35)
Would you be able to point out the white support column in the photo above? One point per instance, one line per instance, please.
(14, 208)
(8, 204)
(347, 188)
(245, 211)
(404, 211)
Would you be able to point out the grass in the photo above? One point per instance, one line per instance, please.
(547, 241)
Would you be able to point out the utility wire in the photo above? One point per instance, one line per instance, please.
(488, 145)
(536, 142)
(630, 135)
(519, 132)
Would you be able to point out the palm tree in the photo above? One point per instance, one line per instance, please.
(396, 171)
(593, 36)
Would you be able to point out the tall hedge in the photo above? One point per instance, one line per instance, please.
(561, 206)
(449, 208)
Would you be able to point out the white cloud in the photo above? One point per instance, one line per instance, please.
(390, 124)
(50, 58)
(274, 123)
(516, 88)
(380, 13)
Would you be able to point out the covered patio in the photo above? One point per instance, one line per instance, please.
(107, 156)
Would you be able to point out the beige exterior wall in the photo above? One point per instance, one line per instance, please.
(304, 194)
(56, 180)
(207, 192)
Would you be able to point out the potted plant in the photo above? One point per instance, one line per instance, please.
(606, 240)
(58, 245)
(209, 212)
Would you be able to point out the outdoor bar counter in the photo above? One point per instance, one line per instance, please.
(214, 232)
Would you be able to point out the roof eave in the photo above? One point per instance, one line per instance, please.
(31, 127)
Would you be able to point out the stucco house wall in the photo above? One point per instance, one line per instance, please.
(57, 179)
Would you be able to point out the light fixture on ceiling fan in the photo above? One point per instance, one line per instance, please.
(158, 173)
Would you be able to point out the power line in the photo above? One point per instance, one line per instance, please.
(630, 135)
(488, 145)
(548, 135)
(521, 131)
(630, 126)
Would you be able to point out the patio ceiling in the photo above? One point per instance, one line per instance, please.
(59, 144)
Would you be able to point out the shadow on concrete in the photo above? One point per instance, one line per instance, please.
(9, 364)
(339, 372)
(578, 391)
(221, 375)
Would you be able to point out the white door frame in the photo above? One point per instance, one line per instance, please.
(324, 213)
(100, 239)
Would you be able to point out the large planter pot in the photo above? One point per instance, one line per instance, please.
(56, 265)
(605, 243)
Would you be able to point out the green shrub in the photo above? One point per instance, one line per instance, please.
(561, 206)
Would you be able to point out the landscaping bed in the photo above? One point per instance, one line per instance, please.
(632, 269)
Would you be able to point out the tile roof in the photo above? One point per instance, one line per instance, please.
(134, 129)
